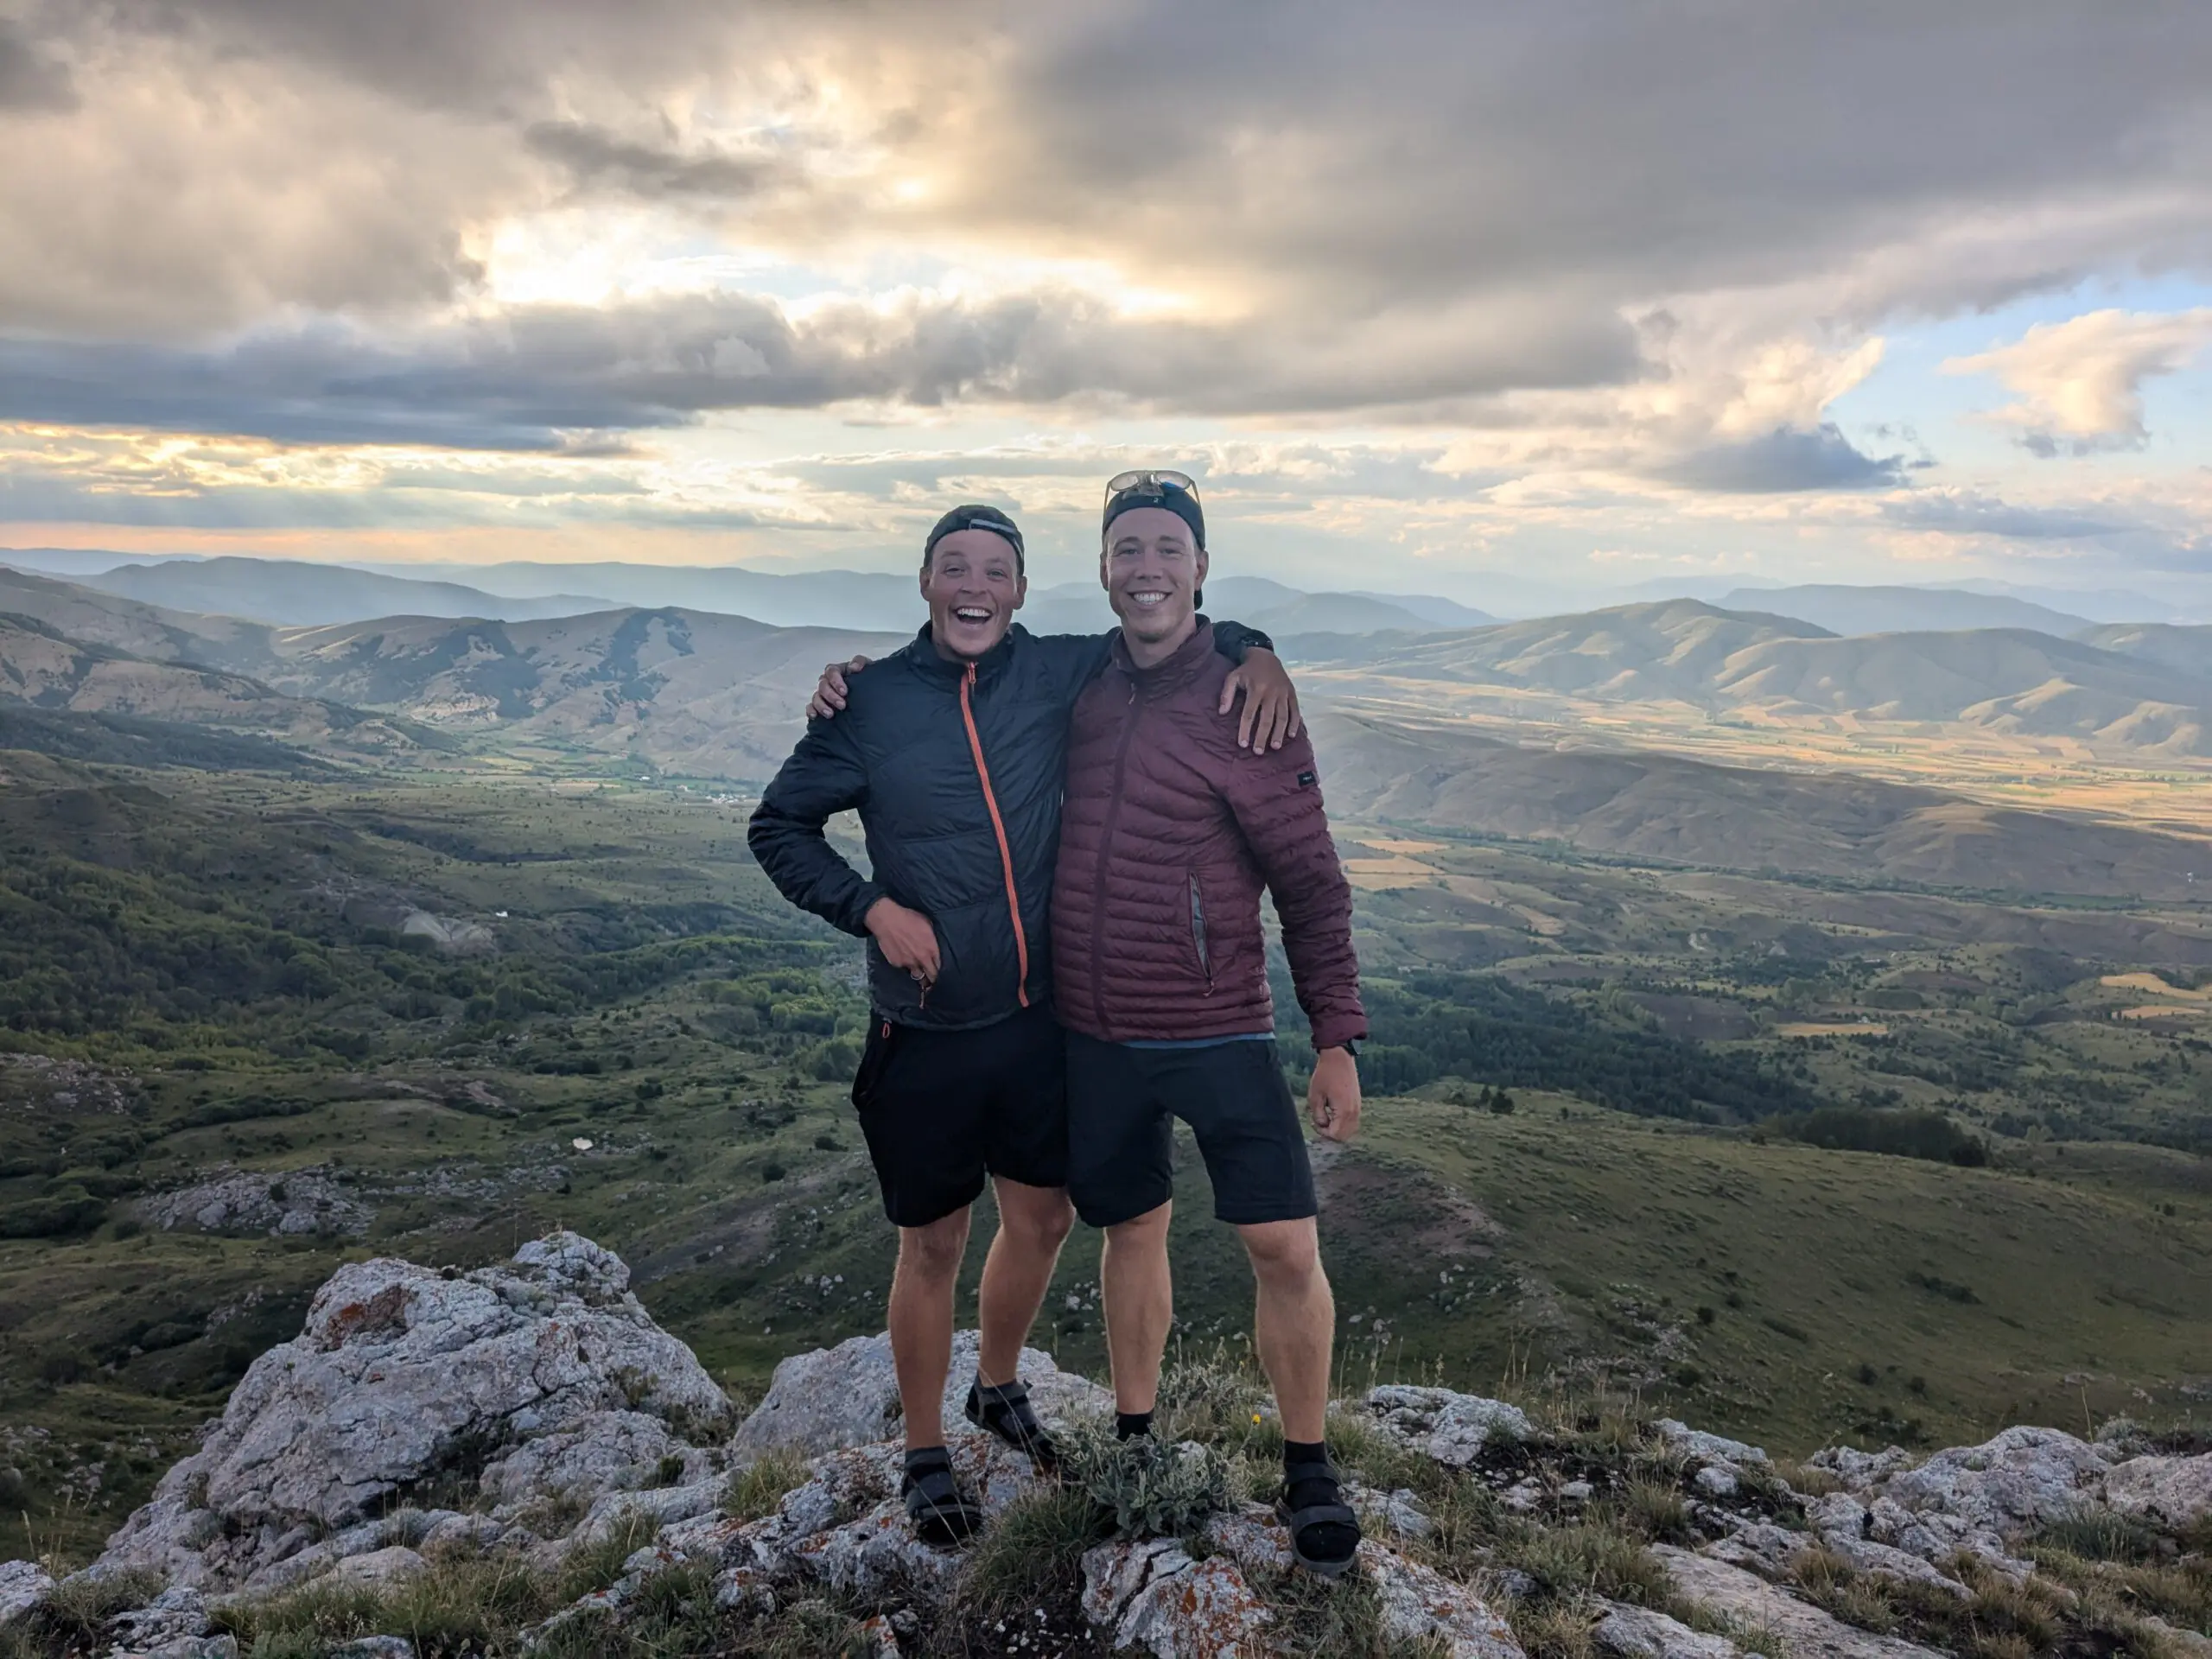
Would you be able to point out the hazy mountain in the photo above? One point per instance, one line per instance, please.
(78, 563)
(2184, 649)
(1672, 651)
(149, 631)
(43, 668)
(841, 599)
(690, 690)
(296, 592)
(1435, 610)
(2006, 680)
(1662, 806)
(2098, 604)
(1840, 609)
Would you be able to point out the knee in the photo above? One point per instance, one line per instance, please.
(1146, 1232)
(1043, 1227)
(934, 1252)
(1284, 1252)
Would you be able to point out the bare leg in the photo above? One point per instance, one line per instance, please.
(1139, 1296)
(1033, 1221)
(921, 1322)
(1294, 1324)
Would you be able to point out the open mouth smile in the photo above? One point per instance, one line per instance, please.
(1147, 597)
(976, 614)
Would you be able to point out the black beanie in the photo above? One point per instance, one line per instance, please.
(973, 516)
(1180, 502)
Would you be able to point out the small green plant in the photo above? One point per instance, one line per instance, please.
(1151, 1489)
(756, 1488)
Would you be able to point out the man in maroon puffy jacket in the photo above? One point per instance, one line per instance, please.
(1168, 833)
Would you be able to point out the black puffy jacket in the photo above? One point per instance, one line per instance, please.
(956, 771)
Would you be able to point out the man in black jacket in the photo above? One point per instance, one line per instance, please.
(951, 750)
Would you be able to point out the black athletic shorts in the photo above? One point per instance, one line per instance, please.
(1121, 1105)
(940, 1109)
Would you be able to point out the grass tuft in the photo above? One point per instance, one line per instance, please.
(1032, 1554)
(756, 1488)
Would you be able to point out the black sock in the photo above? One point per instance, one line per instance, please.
(1128, 1425)
(1328, 1541)
(921, 1459)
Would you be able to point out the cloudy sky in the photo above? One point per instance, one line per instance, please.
(1465, 299)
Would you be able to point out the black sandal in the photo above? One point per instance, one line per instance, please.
(1008, 1415)
(943, 1515)
(1323, 1531)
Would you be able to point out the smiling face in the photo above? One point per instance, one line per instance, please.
(1151, 572)
(973, 585)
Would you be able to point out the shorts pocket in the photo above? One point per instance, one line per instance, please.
(875, 1060)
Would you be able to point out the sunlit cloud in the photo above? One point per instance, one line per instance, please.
(2080, 381)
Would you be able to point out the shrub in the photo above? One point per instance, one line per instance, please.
(1151, 1490)
(1900, 1132)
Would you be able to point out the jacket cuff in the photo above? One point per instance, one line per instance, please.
(854, 919)
(1337, 1032)
(1233, 639)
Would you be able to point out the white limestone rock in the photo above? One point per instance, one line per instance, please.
(2172, 1492)
(1733, 1593)
(2023, 1478)
(24, 1587)
(380, 1568)
(1451, 1427)
(402, 1374)
(1151, 1596)
(607, 1451)
(1715, 1448)
(1627, 1632)
(1421, 1605)
(849, 1395)
(178, 1614)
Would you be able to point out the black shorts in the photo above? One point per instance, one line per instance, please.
(942, 1108)
(1121, 1105)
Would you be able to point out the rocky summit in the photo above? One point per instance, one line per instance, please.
(517, 1460)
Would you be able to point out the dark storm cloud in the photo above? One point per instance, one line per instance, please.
(1966, 513)
(531, 378)
(599, 158)
(1783, 461)
(1396, 205)
(29, 79)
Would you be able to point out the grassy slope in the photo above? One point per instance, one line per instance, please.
(1574, 1242)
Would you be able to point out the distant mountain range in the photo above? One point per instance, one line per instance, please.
(299, 593)
(1662, 806)
(2139, 688)
(1839, 609)
(713, 696)
(294, 592)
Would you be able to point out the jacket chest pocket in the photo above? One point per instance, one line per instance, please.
(1198, 932)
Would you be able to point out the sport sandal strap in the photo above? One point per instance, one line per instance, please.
(1332, 1513)
(1007, 1413)
(941, 1512)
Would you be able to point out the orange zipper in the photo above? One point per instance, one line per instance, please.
(998, 827)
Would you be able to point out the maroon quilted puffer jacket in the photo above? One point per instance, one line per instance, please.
(1168, 833)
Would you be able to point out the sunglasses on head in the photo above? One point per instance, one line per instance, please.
(1151, 480)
